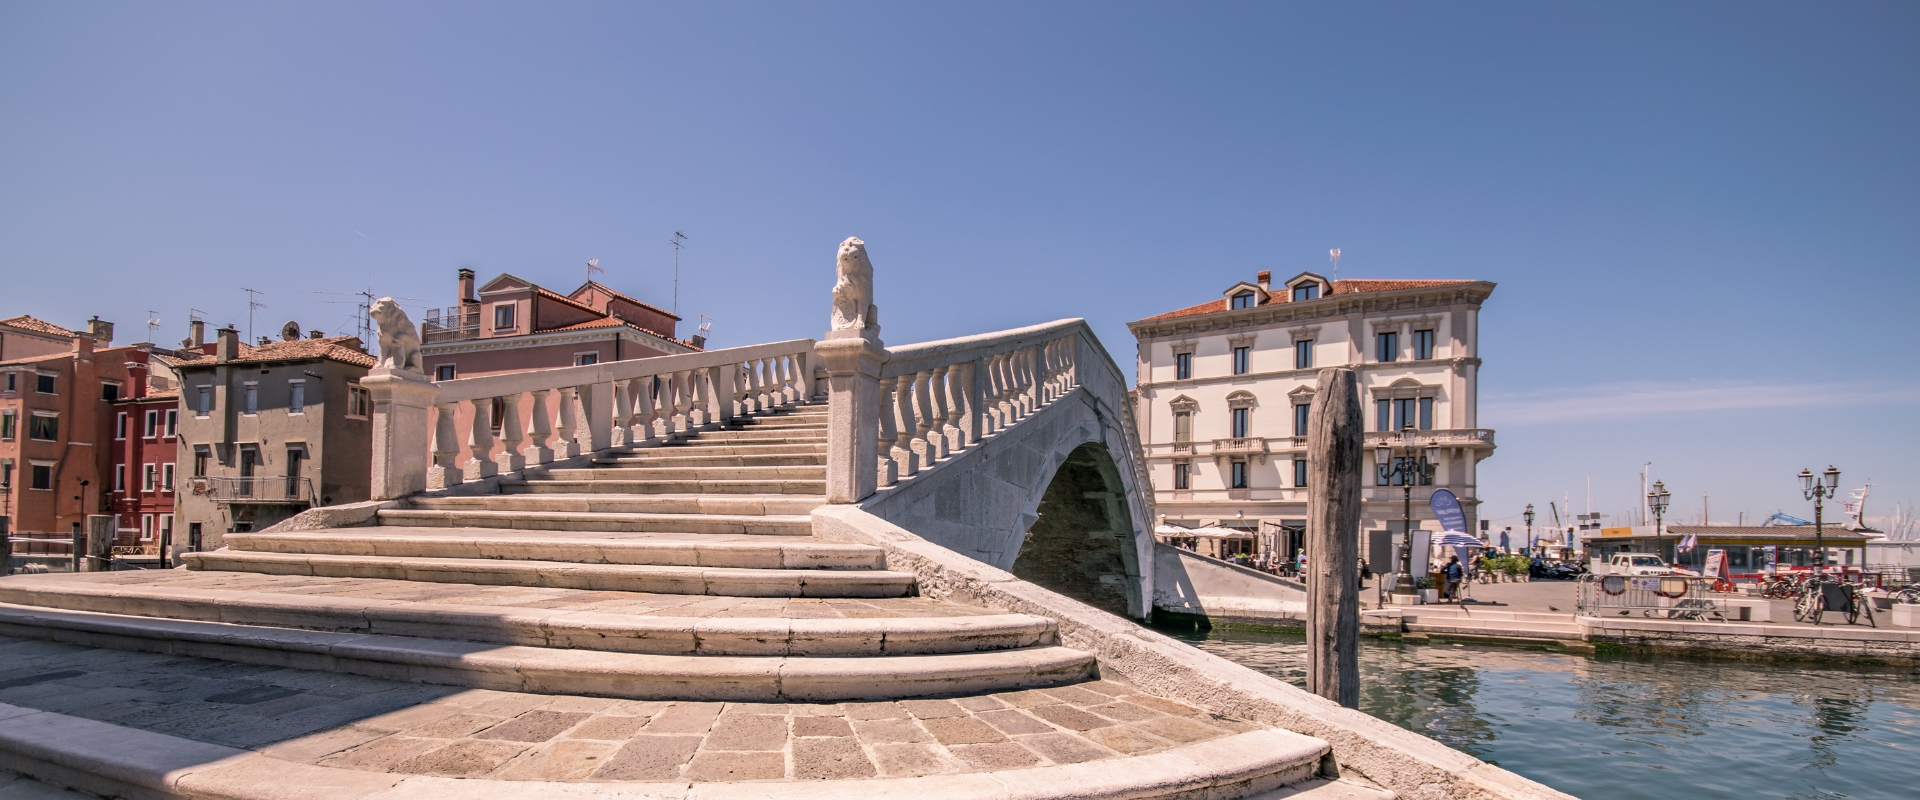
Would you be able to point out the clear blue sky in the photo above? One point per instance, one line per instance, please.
(1704, 218)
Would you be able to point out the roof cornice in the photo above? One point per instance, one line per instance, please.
(1339, 305)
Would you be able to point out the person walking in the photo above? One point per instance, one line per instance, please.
(1455, 574)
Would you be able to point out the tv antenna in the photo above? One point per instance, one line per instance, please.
(1334, 256)
(679, 243)
(593, 266)
(252, 304)
(153, 324)
(363, 311)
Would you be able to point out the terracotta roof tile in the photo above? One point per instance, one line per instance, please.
(37, 359)
(28, 323)
(611, 322)
(629, 298)
(553, 295)
(1339, 287)
(340, 348)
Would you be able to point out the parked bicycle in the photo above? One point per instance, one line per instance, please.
(1826, 594)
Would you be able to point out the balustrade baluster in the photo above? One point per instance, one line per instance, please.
(568, 427)
(970, 397)
(945, 434)
(537, 451)
(789, 383)
(596, 405)
(903, 427)
(446, 447)
(510, 459)
(922, 442)
(622, 413)
(480, 441)
(888, 466)
(682, 404)
(699, 414)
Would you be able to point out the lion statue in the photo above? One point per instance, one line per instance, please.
(853, 307)
(399, 339)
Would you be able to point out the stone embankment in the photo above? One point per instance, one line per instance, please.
(1742, 639)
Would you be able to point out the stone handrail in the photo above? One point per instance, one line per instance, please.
(480, 424)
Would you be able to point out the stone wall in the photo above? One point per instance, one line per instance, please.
(1190, 583)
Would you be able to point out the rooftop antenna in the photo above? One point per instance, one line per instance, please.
(153, 324)
(593, 266)
(1334, 256)
(251, 305)
(706, 324)
(679, 243)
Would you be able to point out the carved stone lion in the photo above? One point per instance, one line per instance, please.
(853, 307)
(399, 339)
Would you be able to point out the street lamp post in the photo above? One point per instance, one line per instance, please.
(1528, 516)
(1819, 490)
(1407, 470)
(1657, 502)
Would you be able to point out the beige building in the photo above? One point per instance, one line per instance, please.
(1225, 387)
(267, 432)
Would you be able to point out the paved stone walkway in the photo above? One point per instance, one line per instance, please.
(377, 725)
(609, 602)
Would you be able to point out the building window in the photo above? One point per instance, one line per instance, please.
(146, 527)
(120, 478)
(1243, 300)
(1182, 366)
(173, 422)
(444, 372)
(193, 537)
(1241, 416)
(585, 359)
(43, 427)
(1301, 414)
(1303, 354)
(201, 455)
(1426, 413)
(109, 391)
(44, 385)
(503, 316)
(166, 528)
(1183, 476)
(1422, 345)
(359, 402)
(297, 396)
(6, 473)
(8, 421)
(120, 426)
(1386, 347)
(251, 404)
(204, 405)
(1239, 475)
(153, 425)
(1309, 291)
(1242, 360)
(13, 384)
(1393, 415)
(40, 476)
(150, 478)
(166, 477)
(1183, 426)
(1300, 472)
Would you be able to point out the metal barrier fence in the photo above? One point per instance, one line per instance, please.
(1659, 596)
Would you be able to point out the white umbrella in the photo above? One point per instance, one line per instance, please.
(1456, 539)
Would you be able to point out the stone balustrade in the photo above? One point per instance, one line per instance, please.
(487, 425)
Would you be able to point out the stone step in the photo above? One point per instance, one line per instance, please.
(763, 436)
(639, 504)
(696, 447)
(814, 488)
(661, 549)
(561, 575)
(786, 423)
(754, 524)
(682, 459)
(569, 671)
(683, 473)
(544, 627)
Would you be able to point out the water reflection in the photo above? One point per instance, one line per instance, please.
(1635, 726)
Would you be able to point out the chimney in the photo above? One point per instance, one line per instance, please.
(316, 334)
(466, 286)
(199, 335)
(229, 347)
(101, 331)
(1264, 277)
(698, 341)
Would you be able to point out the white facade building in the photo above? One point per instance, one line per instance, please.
(1224, 389)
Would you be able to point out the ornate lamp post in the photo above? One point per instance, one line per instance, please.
(1528, 516)
(1398, 462)
(1657, 502)
(1818, 490)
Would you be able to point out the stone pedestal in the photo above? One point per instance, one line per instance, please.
(1906, 615)
(852, 362)
(402, 435)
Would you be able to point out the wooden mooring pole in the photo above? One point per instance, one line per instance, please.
(1334, 439)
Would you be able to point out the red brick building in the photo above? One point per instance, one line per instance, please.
(142, 477)
(512, 324)
(53, 399)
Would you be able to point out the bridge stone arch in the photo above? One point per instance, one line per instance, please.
(988, 502)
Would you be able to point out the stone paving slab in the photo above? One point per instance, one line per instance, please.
(373, 725)
(609, 602)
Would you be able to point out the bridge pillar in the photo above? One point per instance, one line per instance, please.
(853, 414)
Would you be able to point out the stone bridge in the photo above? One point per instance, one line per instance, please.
(803, 568)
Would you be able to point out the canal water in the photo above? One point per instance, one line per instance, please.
(1634, 726)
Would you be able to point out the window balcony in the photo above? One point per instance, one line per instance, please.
(270, 490)
(1254, 447)
(1455, 437)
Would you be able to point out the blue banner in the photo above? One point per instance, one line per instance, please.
(1446, 508)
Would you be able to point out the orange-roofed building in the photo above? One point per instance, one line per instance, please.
(512, 324)
(1226, 387)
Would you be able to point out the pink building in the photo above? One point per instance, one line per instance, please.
(511, 325)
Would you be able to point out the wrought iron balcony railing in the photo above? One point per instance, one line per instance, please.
(264, 489)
